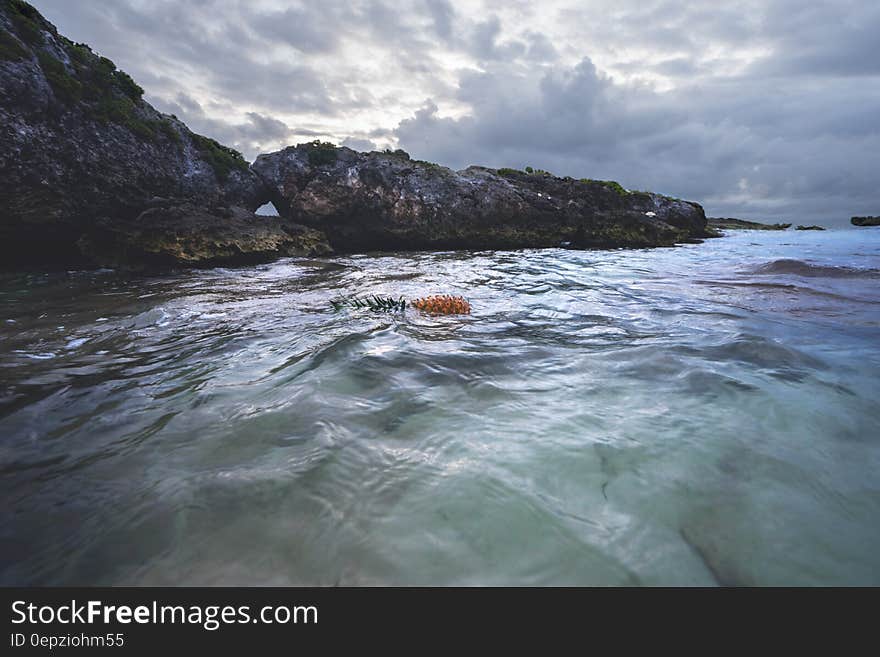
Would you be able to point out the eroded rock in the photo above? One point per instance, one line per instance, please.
(189, 235)
(381, 201)
(78, 143)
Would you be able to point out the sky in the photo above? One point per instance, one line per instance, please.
(759, 109)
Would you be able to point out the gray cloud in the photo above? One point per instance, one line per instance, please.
(248, 136)
(757, 108)
(358, 144)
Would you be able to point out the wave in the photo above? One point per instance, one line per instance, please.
(782, 288)
(801, 268)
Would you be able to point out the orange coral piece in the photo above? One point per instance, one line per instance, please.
(442, 304)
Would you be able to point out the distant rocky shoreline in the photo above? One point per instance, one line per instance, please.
(865, 221)
(728, 223)
(92, 175)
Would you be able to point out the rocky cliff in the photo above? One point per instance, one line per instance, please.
(729, 223)
(80, 150)
(375, 201)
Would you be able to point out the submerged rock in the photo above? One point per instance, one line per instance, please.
(729, 223)
(381, 201)
(865, 221)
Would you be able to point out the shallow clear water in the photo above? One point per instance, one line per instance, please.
(699, 415)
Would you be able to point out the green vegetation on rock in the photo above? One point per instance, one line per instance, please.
(426, 163)
(66, 87)
(399, 154)
(24, 18)
(507, 171)
(109, 94)
(169, 130)
(321, 153)
(128, 86)
(10, 48)
(610, 184)
(223, 160)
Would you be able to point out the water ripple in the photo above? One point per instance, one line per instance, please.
(698, 415)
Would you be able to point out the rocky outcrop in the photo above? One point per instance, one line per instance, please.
(729, 223)
(865, 221)
(80, 147)
(187, 235)
(809, 228)
(380, 201)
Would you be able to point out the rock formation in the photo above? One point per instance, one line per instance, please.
(376, 201)
(728, 223)
(809, 228)
(81, 150)
(187, 234)
(865, 221)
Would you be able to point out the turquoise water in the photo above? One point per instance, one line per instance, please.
(692, 416)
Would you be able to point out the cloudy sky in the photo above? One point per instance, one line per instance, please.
(757, 108)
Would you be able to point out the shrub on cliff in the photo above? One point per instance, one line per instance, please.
(399, 154)
(613, 185)
(64, 85)
(10, 48)
(223, 160)
(25, 19)
(107, 94)
(321, 153)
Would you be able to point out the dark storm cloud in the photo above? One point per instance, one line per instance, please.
(755, 108)
(795, 135)
(740, 146)
(823, 39)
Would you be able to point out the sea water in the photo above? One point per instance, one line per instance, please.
(699, 415)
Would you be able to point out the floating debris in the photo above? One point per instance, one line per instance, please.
(438, 304)
(443, 304)
(374, 302)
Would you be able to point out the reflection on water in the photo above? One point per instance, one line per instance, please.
(699, 415)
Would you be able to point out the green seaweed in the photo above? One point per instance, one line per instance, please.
(374, 302)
